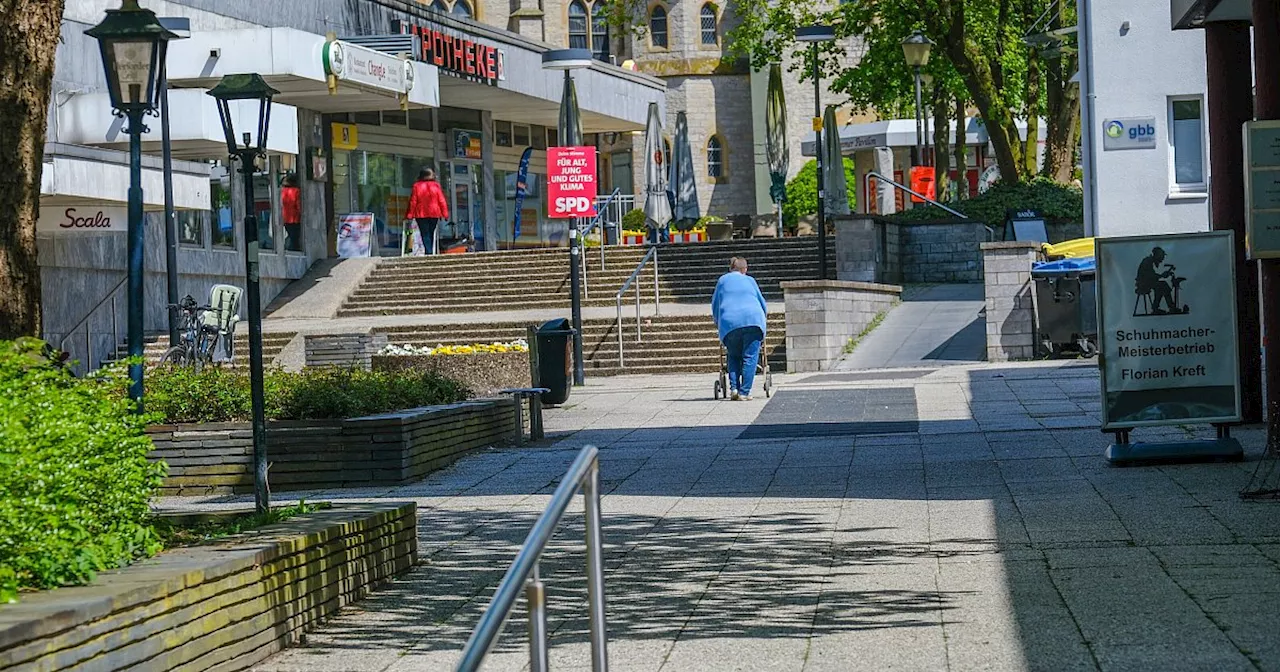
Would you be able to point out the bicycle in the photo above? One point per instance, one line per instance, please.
(198, 338)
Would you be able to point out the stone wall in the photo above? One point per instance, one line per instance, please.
(947, 252)
(345, 350)
(1011, 329)
(223, 606)
(387, 449)
(868, 249)
(822, 315)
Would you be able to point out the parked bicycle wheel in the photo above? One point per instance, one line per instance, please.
(175, 356)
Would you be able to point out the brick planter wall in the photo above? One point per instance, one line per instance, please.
(385, 449)
(822, 315)
(224, 606)
(483, 373)
(1011, 329)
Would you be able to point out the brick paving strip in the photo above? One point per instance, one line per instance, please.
(989, 535)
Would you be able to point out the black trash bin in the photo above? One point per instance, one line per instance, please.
(555, 360)
(1065, 301)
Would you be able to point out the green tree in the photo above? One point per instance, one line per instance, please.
(802, 192)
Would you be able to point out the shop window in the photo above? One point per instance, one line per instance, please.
(368, 118)
(600, 32)
(539, 137)
(553, 137)
(190, 227)
(461, 8)
(223, 231)
(520, 133)
(1186, 140)
(715, 159)
(395, 118)
(709, 23)
(502, 133)
(420, 120)
(658, 27)
(578, 28)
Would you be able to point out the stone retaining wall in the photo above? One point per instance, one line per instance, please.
(385, 449)
(822, 315)
(874, 249)
(225, 606)
(1011, 328)
(345, 350)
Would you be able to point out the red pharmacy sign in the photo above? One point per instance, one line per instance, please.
(571, 182)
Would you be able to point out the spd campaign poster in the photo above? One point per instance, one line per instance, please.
(1167, 330)
(355, 234)
(571, 182)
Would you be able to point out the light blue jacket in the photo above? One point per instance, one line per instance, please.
(738, 303)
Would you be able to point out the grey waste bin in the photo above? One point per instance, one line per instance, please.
(555, 360)
(1065, 303)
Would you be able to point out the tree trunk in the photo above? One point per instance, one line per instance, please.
(941, 109)
(1030, 146)
(962, 150)
(32, 29)
(1062, 134)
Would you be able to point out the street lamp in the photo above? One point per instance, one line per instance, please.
(813, 35)
(569, 134)
(915, 48)
(242, 91)
(133, 44)
(181, 29)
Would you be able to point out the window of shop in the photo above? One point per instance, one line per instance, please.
(190, 227)
(420, 120)
(539, 137)
(578, 28)
(367, 118)
(502, 133)
(658, 27)
(553, 137)
(395, 118)
(710, 25)
(223, 224)
(1186, 140)
(381, 184)
(521, 134)
(715, 159)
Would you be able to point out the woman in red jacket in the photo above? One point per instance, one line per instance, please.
(291, 212)
(427, 206)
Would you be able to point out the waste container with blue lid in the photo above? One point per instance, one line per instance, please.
(1066, 305)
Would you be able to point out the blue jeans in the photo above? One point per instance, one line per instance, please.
(743, 354)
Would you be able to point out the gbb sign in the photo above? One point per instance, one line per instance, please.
(82, 219)
(571, 182)
(1129, 133)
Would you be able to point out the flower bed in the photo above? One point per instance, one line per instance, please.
(483, 368)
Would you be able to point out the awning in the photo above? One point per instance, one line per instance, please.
(899, 133)
(294, 62)
(195, 129)
(74, 175)
(1188, 14)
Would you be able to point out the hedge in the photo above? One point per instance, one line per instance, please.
(802, 192)
(74, 477)
(215, 394)
(1058, 202)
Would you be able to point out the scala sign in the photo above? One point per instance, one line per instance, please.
(1167, 340)
(83, 219)
(571, 182)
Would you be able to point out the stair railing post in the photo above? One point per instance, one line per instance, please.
(657, 303)
(535, 594)
(595, 569)
(621, 363)
(637, 312)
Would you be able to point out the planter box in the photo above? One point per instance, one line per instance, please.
(224, 606)
(484, 372)
(386, 449)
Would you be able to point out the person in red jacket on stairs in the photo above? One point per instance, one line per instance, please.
(427, 206)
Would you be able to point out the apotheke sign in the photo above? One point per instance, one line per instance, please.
(82, 219)
(455, 53)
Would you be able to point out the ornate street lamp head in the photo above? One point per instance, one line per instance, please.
(133, 44)
(250, 87)
(915, 48)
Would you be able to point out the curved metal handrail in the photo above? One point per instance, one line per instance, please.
(657, 302)
(584, 473)
(871, 174)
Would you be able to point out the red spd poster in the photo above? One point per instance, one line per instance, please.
(571, 182)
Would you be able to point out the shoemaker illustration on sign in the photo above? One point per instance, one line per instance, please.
(1153, 286)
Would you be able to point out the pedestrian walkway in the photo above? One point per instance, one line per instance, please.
(934, 325)
(955, 519)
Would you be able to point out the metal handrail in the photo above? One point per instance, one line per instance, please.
(596, 221)
(657, 302)
(584, 473)
(871, 174)
(84, 321)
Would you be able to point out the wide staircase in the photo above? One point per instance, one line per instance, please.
(539, 279)
(155, 345)
(683, 343)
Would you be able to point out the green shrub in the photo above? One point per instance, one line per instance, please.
(74, 477)
(633, 221)
(214, 394)
(802, 192)
(1058, 202)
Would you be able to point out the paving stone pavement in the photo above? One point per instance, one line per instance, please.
(990, 535)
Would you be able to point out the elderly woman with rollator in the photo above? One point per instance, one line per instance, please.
(740, 313)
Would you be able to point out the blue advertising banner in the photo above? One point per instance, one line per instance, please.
(522, 187)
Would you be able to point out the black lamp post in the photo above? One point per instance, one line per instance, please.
(569, 134)
(181, 29)
(133, 44)
(233, 89)
(915, 48)
(813, 35)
